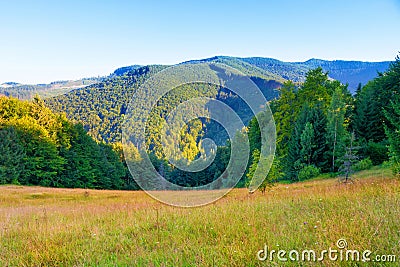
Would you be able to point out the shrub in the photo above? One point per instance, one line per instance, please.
(364, 164)
(377, 152)
(308, 172)
(386, 164)
(396, 170)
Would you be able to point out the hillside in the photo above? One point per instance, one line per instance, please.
(351, 72)
(39, 147)
(316, 124)
(100, 107)
(121, 71)
(347, 72)
(27, 91)
(246, 68)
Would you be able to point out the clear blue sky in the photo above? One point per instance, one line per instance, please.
(43, 41)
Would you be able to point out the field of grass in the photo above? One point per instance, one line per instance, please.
(77, 227)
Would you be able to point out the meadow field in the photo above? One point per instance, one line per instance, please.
(78, 227)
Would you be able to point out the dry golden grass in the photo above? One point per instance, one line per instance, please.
(77, 227)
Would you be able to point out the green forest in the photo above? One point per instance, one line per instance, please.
(74, 140)
(42, 148)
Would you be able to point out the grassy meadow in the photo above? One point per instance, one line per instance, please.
(77, 227)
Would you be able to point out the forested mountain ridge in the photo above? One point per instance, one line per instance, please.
(347, 72)
(318, 123)
(101, 107)
(246, 68)
(351, 72)
(121, 71)
(28, 91)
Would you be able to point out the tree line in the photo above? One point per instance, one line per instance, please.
(316, 123)
(39, 147)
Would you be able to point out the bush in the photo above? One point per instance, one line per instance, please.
(308, 172)
(396, 170)
(364, 164)
(377, 152)
(386, 164)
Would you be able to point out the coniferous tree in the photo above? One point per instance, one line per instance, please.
(394, 135)
(317, 118)
(12, 156)
(390, 82)
(307, 143)
(293, 161)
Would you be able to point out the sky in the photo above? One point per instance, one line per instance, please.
(44, 41)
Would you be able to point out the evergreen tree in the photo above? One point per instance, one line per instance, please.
(318, 119)
(11, 157)
(293, 161)
(307, 143)
(348, 160)
(79, 170)
(297, 156)
(368, 115)
(390, 82)
(394, 135)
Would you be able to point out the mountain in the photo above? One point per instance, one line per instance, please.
(100, 107)
(9, 84)
(246, 68)
(351, 72)
(286, 70)
(121, 71)
(27, 91)
(347, 72)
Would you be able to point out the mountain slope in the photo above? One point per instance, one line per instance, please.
(101, 107)
(286, 70)
(246, 68)
(27, 91)
(347, 72)
(351, 72)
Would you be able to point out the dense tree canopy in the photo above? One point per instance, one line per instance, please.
(42, 148)
(390, 83)
(316, 122)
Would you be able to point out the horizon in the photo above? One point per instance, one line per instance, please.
(46, 41)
